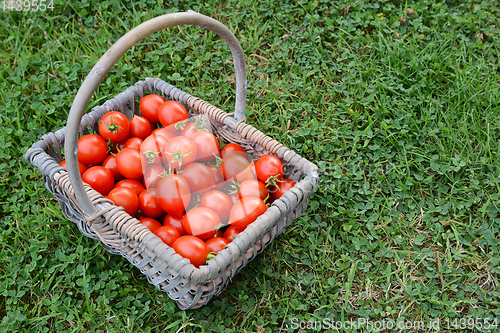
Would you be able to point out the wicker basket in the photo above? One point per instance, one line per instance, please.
(98, 218)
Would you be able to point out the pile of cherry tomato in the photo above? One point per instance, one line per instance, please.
(170, 173)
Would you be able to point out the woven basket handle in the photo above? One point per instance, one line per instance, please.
(115, 52)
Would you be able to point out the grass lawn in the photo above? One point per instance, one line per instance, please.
(400, 112)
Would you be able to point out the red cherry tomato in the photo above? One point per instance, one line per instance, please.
(153, 175)
(173, 194)
(199, 177)
(128, 161)
(167, 234)
(134, 142)
(280, 188)
(180, 151)
(246, 211)
(82, 167)
(140, 127)
(201, 222)
(236, 167)
(171, 112)
(152, 148)
(189, 131)
(233, 148)
(149, 107)
(164, 132)
(219, 233)
(149, 205)
(268, 166)
(150, 223)
(191, 248)
(253, 188)
(114, 126)
(92, 149)
(218, 202)
(216, 244)
(207, 146)
(176, 222)
(231, 232)
(126, 198)
(99, 178)
(110, 164)
(131, 184)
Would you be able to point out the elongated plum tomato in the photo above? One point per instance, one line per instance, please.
(207, 146)
(126, 198)
(129, 163)
(253, 188)
(152, 147)
(134, 142)
(268, 166)
(150, 223)
(82, 167)
(191, 248)
(233, 148)
(140, 127)
(236, 167)
(180, 151)
(246, 211)
(281, 187)
(114, 126)
(110, 164)
(217, 201)
(231, 232)
(131, 184)
(171, 112)
(173, 194)
(99, 178)
(149, 107)
(199, 177)
(167, 234)
(148, 204)
(201, 222)
(176, 222)
(216, 244)
(92, 149)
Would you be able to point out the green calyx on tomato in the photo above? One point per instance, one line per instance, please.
(177, 156)
(180, 125)
(234, 188)
(111, 145)
(150, 155)
(112, 127)
(218, 161)
(199, 125)
(274, 180)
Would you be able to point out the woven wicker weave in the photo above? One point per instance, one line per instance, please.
(122, 234)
